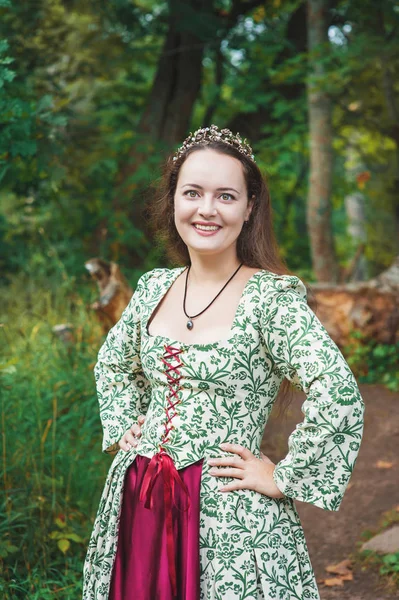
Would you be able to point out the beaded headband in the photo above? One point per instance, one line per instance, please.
(212, 134)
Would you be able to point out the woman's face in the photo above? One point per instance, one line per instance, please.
(211, 191)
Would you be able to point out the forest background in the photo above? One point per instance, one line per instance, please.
(93, 96)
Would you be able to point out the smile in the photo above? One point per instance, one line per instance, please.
(207, 227)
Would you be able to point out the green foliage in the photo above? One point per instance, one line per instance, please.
(387, 565)
(75, 81)
(51, 584)
(373, 362)
(25, 121)
(53, 468)
(59, 191)
(390, 565)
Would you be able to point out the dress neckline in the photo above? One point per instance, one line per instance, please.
(224, 342)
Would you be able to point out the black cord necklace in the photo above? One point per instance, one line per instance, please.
(190, 323)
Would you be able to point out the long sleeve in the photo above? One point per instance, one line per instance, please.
(323, 448)
(122, 388)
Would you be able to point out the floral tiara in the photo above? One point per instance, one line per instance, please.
(212, 134)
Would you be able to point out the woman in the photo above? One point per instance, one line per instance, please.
(186, 381)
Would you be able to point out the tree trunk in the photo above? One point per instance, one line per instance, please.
(321, 155)
(167, 115)
(391, 102)
(177, 83)
(356, 217)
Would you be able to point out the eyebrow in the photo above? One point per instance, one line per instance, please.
(220, 189)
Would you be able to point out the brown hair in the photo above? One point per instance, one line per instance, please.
(256, 244)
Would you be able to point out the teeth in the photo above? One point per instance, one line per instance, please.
(207, 227)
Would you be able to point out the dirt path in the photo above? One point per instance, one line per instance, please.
(332, 536)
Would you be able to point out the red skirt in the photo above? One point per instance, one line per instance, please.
(157, 553)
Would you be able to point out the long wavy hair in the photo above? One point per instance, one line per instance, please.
(256, 244)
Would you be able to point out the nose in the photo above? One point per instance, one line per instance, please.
(207, 207)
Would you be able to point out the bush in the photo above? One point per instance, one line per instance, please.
(372, 362)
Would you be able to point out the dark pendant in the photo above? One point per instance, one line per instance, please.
(190, 324)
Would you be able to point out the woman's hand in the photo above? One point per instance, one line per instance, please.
(130, 438)
(250, 472)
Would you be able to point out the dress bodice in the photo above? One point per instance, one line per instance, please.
(206, 393)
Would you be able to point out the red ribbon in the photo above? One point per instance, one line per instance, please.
(162, 461)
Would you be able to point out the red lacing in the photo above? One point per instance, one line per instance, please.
(173, 375)
(161, 461)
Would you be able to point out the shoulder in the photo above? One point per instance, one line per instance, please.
(158, 276)
(273, 285)
(161, 272)
(149, 275)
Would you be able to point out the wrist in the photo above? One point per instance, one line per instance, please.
(279, 493)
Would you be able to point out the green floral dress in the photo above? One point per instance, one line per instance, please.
(251, 546)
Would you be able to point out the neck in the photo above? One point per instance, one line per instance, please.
(211, 268)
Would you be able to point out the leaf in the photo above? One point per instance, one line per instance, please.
(342, 571)
(61, 523)
(340, 568)
(9, 370)
(384, 464)
(74, 537)
(333, 581)
(64, 545)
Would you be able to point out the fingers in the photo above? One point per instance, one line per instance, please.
(238, 456)
(135, 430)
(130, 438)
(136, 427)
(124, 444)
(244, 453)
(239, 473)
(227, 461)
(237, 484)
(242, 466)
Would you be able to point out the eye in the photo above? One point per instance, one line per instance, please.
(186, 193)
(226, 194)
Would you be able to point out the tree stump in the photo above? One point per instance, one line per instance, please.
(371, 307)
(115, 292)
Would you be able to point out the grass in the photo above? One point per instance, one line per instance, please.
(52, 466)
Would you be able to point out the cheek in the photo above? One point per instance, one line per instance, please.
(183, 210)
(234, 218)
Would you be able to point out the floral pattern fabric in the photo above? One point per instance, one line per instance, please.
(251, 546)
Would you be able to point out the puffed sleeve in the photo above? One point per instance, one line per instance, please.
(122, 388)
(323, 448)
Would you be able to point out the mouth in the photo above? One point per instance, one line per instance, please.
(207, 228)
